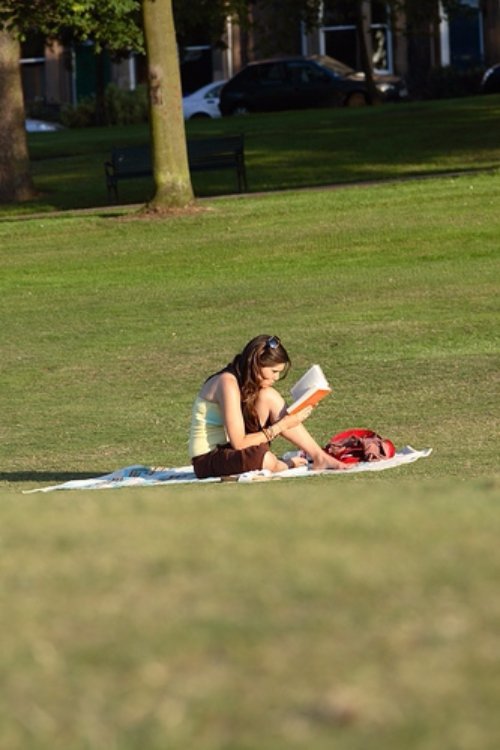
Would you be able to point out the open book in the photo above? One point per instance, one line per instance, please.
(309, 389)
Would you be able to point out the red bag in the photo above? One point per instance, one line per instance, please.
(355, 445)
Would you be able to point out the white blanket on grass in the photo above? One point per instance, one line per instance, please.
(145, 476)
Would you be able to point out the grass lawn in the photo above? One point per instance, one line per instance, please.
(223, 618)
(347, 612)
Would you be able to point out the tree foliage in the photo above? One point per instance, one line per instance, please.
(114, 24)
(211, 15)
(420, 13)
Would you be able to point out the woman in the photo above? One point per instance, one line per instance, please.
(238, 413)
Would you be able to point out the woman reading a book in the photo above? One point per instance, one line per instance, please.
(238, 413)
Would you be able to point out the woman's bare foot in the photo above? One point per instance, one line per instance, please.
(275, 464)
(324, 461)
(295, 461)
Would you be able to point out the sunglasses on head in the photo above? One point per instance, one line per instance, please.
(272, 342)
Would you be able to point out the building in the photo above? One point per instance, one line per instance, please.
(53, 75)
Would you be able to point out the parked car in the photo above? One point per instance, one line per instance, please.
(40, 126)
(490, 83)
(391, 88)
(204, 102)
(300, 82)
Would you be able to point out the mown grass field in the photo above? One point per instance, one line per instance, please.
(345, 612)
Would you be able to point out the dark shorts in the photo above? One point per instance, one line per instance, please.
(224, 460)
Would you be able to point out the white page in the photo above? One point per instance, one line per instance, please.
(313, 378)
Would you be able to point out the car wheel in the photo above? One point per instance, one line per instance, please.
(356, 99)
(200, 116)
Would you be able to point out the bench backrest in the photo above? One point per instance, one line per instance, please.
(201, 148)
(203, 153)
(133, 160)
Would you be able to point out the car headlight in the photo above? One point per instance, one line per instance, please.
(385, 88)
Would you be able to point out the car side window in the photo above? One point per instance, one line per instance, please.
(247, 75)
(299, 73)
(318, 75)
(303, 73)
(271, 73)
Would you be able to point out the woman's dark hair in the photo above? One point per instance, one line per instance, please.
(261, 351)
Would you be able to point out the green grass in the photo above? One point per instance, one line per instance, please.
(225, 618)
(109, 323)
(349, 611)
(284, 150)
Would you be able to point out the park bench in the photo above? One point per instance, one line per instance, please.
(225, 152)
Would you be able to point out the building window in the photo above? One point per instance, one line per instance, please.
(338, 37)
(462, 36)
(33, 68)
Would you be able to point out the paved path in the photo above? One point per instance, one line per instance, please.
(120, 208)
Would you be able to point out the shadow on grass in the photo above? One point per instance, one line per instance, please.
(132, 206)
(48, 476)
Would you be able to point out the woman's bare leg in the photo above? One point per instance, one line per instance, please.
(300, 437)
(275, 464)
(271, 407)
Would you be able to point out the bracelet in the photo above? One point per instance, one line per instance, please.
(270, 433)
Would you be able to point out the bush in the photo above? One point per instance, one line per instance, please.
(125, 107)
(41, 109)
(80, 116)
(121, 107)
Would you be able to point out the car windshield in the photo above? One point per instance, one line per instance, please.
(336, 66)
(304, 72)
(214, 92)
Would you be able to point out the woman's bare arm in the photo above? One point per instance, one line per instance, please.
(227, 395)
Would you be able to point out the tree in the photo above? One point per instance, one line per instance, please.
(110, 23)
(114, 25)
(15, 179)
(170, 163)
(364, 42)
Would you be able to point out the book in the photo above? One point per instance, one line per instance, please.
(311, 388)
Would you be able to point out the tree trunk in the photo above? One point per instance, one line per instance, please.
(100, 88)
(15, 178)
(364, 39)
(435, 19)
(168, 135)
